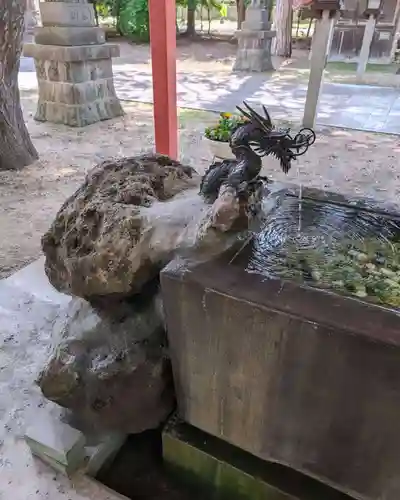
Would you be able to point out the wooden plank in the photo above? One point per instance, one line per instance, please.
(319, 50)
(366, 47)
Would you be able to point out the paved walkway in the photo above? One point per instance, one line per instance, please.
(360, 107)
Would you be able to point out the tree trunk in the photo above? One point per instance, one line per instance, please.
(16, 148)
(115, 12)
(283, 27)
(241, 12)
(191, 18)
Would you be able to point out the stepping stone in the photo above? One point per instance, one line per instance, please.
(57, 444)
(104, 453)
(57, 466)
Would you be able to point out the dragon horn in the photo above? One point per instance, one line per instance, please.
(268, 118)
(247, 115)
(257, 117)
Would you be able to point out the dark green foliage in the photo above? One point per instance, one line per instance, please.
(133, 15)
(226, 125)
(134, 19)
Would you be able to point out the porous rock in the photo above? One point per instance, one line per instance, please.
(92, 246)
(110, 366)
(127, 221)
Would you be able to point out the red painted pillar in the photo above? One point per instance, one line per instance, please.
(163, 61)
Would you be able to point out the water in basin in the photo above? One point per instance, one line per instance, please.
(328, 245)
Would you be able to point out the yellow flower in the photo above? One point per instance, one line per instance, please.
(226, 115)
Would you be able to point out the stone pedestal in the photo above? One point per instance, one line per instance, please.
(254, 40)
(73, 66)
(31, 16)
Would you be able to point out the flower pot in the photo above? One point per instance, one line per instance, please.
(220, 149)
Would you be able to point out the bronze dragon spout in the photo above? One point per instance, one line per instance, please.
(249, 143)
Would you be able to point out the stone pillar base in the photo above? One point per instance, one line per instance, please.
(254, 42)
(76, 85)
(254, 51)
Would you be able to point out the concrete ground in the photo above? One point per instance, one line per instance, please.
(27, 304)
(207, 83)
(28, 308)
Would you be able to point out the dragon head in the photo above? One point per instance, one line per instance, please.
(263, 138)
(253, 130)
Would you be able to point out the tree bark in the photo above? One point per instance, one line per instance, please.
(241, 12)
(191, 18)
(16, 148)
(283, 27)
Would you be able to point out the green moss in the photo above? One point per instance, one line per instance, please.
(368, 270)
(218, 470)
(212, 476)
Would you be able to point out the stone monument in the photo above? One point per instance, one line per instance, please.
(31, 16)
(73, 65)
(254, 40)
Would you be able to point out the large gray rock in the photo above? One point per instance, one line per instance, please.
(129, 219)
(110, 368)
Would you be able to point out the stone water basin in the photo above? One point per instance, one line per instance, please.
(274, 359)
(332, 245)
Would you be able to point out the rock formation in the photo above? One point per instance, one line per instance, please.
(127, 220)
(107, 245)
(110, 367)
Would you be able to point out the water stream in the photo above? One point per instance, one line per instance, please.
(300, 197)
(330, 246)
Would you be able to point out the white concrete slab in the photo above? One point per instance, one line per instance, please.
(33, 280)
(29, 307)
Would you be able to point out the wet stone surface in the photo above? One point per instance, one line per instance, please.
(329, 245)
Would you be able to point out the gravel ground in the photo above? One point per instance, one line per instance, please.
(344, 161)
(349, 162)
(341, 160)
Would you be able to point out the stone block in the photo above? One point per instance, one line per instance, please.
(49, 35)
(254, 60)
(57, 442)
(104, 453)
(311, 349)
(254, 51)
(256, 19)
(77, 72)
(73, 72)
(79, 115)
(58, 466)
(76, 93)
(247, 36)
(67, 14)
(71, 54)
(221, 471)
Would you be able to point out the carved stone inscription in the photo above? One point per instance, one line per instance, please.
(67, 14)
